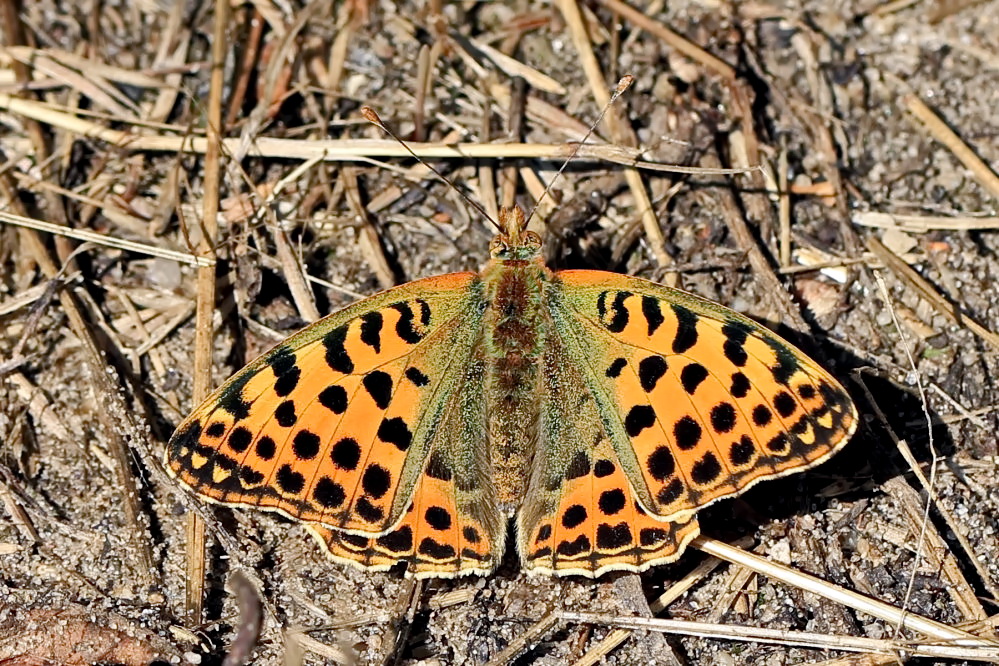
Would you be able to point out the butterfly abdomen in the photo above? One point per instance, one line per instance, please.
(514, 339)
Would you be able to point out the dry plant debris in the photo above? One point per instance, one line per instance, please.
(874, 125)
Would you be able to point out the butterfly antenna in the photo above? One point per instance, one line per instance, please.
(372, 117)
(622, 85)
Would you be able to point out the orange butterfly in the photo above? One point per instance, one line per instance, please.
(600, 410)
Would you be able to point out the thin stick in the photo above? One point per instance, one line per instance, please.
(927, 291)
(681, 44)
(939, 130)
(195, 556)
(106, 241)
(849, 598)
(788, 638)
(620, 132)
(333, 150)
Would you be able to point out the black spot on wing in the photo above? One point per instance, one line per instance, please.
(346, 453)
(787, 364)
(337, 357)
(741, 452)
(424, 312)
(438, 518)
(735, 333)
(285, 414)
(399, 541)
(577, 546)
(286, 373)
(611, 501)
(544, 533)
(435, 550)
(705, 470)
(578, 466)
(305, 445)
(638, 419)
(574, 516)
(417, 378)
(250, 476)
(650, 536)
(691, 377)
(762, 415)
(650, 370)
(231, 397)
(603, 468)
(240, 439)
(723, 417)
(371, 330)
(686, 329)
(405, 328)
(778, 443)
(378, 384)
(661, 463)
(612, 537)
(437, 468)
(785, 404)
(368, 511)
(740, 385)
(653, 313)
(395, 431)
(328, 493)
(376, 480)
(687, 433)
(670, 493)
(615, 368)
(215, 430)
(265, 448)
(289, 480)
(334, 398)
(619, 317)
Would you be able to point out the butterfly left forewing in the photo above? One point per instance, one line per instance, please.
(699, 402)
(335, 424)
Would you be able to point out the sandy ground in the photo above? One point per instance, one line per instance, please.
(826, 99)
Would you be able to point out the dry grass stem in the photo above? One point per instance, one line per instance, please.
(858, 602)
(919, 224)
(914, 280)
(980, 652)
(940, 131)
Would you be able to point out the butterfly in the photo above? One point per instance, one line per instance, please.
(597, 410)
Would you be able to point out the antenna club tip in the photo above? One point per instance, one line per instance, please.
(624, 83)
(370, 115)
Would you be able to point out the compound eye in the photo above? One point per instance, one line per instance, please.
(532, 240)
(498, 245)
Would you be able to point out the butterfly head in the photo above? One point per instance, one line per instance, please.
(514, 241)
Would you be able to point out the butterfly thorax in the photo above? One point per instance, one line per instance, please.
(514, 340)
